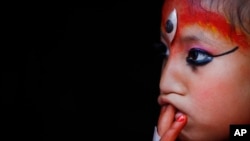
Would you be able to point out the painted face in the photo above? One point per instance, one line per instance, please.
(206, 74)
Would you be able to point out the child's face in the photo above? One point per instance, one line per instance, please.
(216, 93)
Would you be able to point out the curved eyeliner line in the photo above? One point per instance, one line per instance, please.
(225, 53)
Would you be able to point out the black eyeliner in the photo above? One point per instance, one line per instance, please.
(208, 56)
(225, 53)
(191, 61)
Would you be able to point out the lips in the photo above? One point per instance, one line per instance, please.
(162, 100)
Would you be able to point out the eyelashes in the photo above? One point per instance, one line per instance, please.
(161, 50)
(199, 57)
(195, 56)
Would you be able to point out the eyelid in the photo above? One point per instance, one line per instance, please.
(161, 49)
(218, 55)
(202, 50)
(208, 56)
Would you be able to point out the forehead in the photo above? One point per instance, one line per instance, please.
(191, 12)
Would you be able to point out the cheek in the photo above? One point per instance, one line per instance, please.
(211, 102)
(222, 81)
(210, 94)
(222, 93)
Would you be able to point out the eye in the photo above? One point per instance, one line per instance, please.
(171, 25)
(198, 57)
(161, 49)
(165, 52)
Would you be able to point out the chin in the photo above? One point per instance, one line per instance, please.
(186, 136)
(182, 137)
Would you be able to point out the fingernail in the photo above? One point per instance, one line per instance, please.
(181, 118)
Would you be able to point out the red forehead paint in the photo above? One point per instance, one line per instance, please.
(192, 13)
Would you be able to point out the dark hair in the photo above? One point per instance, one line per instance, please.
(237, 12)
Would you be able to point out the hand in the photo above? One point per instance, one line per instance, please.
(168, 127)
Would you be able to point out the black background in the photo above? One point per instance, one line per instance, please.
(74, 73)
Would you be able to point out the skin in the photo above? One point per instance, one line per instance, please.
(211, 97)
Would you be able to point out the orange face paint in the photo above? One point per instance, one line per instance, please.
(192, 13)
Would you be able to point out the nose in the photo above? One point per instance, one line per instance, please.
(173, 77)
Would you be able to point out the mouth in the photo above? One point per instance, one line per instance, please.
(163, 101)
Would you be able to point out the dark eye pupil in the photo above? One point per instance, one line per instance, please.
(198, 57)
(193, 55)
(169, 26)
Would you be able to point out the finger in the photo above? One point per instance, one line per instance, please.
(166, 118)
(175, 129)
